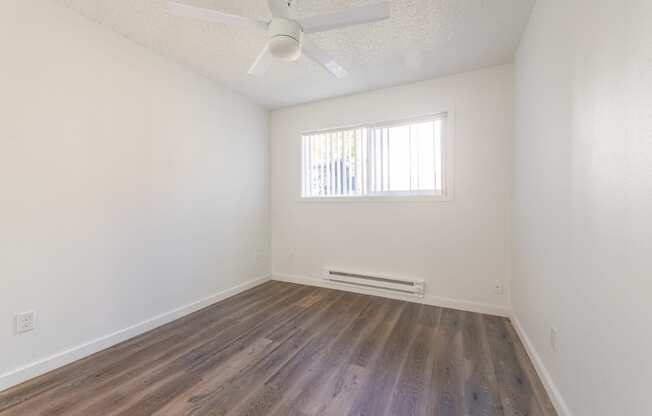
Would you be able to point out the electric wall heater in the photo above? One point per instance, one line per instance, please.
(414, 287)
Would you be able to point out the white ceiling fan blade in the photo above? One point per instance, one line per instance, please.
(350, 17)
(317, 54)
(279, 8)
(262, 63)
(186, 10)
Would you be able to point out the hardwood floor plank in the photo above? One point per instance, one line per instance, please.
(213, 380)
(306, 395)
(385, 368)
(284, 349)
(342, 392)
(526, 364)
(305, 362)
(236, 391)
(516, 392)
(448, 373)
(429, 316)
(372, 344)
(180, 370)
(481, 396)
(328, 305)
(407, 397)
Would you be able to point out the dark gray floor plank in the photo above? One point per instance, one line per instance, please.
(481, 396)
(448, 372)
(516, 392)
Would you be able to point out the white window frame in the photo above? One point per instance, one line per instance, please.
(447, 160)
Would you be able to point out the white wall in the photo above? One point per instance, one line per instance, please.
(583, 200)
(128, 186)
(460, 247)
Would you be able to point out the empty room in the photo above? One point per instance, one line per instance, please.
(325, 207)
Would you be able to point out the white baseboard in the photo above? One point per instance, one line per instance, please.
(550, 386)
(60, 359)
(464, 305)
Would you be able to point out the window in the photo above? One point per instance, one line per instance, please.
(405, 158)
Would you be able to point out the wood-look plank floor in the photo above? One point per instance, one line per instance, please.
(286, 349)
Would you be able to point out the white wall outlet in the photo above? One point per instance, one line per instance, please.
(498, 289)
(554, 335)
(25, 322)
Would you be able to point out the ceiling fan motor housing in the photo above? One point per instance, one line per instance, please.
(285, 39)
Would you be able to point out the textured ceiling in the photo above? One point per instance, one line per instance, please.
(423, 39)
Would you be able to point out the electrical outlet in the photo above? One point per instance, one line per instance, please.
(553, 338)
(25, 322)
(498, 289)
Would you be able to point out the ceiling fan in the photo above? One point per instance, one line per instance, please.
(287, 38)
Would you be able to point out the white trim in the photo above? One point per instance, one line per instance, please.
(19, 375)
(551, 388)
(380, 198)
(464, 305)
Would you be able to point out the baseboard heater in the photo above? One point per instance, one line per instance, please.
(414, 287)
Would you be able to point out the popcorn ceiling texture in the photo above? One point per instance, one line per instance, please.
(423, 39)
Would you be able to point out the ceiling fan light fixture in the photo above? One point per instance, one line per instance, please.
(285, 48)
(285, 39)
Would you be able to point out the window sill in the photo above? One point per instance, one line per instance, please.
(365, 199)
